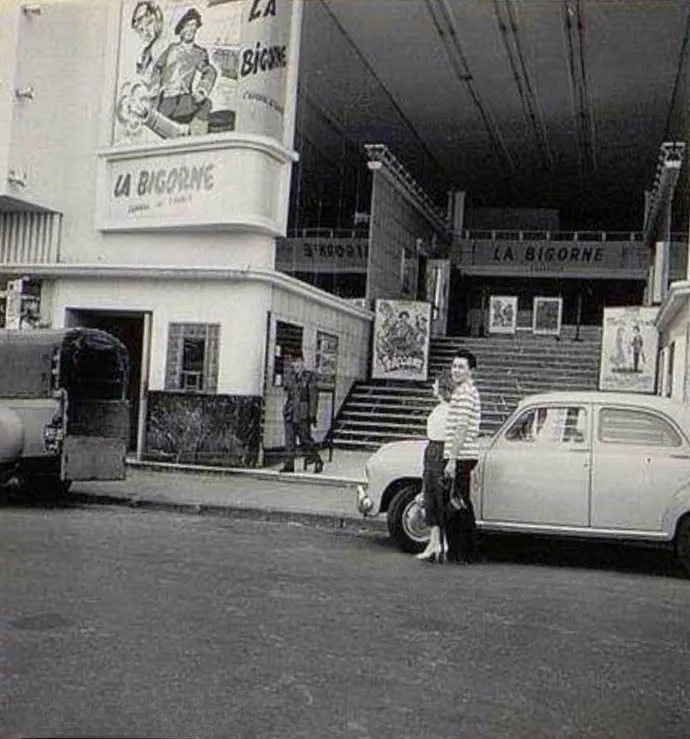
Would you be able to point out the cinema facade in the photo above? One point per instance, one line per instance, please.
(164, 219)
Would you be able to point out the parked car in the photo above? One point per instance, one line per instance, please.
(585, 464)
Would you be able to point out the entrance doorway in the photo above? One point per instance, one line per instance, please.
(129, 328)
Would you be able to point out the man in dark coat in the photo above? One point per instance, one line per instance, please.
(299, 413)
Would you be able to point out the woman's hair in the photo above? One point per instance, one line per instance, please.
(445, 384)
(467, 354)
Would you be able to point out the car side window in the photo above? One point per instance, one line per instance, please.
(627, 426)
(550, 425)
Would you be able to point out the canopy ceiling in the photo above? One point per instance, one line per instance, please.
(523, 103)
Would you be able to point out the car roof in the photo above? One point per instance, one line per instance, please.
(640, 400)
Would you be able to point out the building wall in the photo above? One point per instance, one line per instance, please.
(674, 381)
(398, 235)
(52, 137)
(353, 329)
(239, 307)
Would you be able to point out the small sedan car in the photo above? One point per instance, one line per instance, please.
(585, 464)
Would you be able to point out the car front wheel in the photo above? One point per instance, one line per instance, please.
(683, 543)
(406, 522)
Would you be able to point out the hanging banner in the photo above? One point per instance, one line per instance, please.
(629, 350)
(401, 340)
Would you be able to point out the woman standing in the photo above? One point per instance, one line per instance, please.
(433, 488)
(461, 451)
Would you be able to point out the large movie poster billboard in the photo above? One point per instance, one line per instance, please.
(193, 69)
(629, 350)
(401, 340)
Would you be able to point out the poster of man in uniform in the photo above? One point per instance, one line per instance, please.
(193, 69)
(629, 350)
(401, 340)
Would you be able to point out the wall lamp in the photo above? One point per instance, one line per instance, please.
(16, 178)
(25, 93)
(31, 9)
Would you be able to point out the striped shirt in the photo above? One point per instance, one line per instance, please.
(462, 426)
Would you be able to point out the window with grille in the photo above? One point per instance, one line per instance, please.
(192, 361)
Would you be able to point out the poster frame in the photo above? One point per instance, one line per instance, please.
(546, 330)
(500, 324)
(616, 363)
(401, 343)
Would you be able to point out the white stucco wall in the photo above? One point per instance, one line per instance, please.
(80, 244)
(239, 307)
(353, 332)
(674, 329)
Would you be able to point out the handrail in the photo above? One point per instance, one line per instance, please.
(495, 234)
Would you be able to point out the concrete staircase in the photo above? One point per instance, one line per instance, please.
(508, 368)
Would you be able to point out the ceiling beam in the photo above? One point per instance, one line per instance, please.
(657, 215)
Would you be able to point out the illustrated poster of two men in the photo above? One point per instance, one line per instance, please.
(172, 83)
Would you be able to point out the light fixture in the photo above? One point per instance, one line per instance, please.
(16, 178)
(24, 93)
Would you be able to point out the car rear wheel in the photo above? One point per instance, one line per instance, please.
(683, 543)
(406, 522)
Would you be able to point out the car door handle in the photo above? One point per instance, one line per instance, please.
(579, 450)
(679, 456)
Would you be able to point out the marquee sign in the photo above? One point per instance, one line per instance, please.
(331, 255)
(571, 258)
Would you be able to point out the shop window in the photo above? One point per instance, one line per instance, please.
(192, 361)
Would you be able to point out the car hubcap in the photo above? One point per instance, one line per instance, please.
(413, 522)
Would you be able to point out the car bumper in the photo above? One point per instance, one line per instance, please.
(364, 502)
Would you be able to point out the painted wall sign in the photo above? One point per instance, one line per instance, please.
(200, 69)
(189, 188)
(629, 350)
(322, 255)
(265, 55)
(401, 340)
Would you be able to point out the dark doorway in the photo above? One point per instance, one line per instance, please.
(129, 328)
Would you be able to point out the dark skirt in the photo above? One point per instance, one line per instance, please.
(433, 487)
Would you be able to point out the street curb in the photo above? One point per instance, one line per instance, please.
(261, 474)
(232, 511)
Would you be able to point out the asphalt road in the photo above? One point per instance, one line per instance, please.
(139, 624)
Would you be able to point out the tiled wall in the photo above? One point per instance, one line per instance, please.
(194, 428)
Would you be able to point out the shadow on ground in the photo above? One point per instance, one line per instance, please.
(522, 550)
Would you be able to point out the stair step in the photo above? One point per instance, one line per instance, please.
(509, 368)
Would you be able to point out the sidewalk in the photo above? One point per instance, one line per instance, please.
(328, 498)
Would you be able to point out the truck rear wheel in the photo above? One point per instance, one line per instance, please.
(47, 487)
